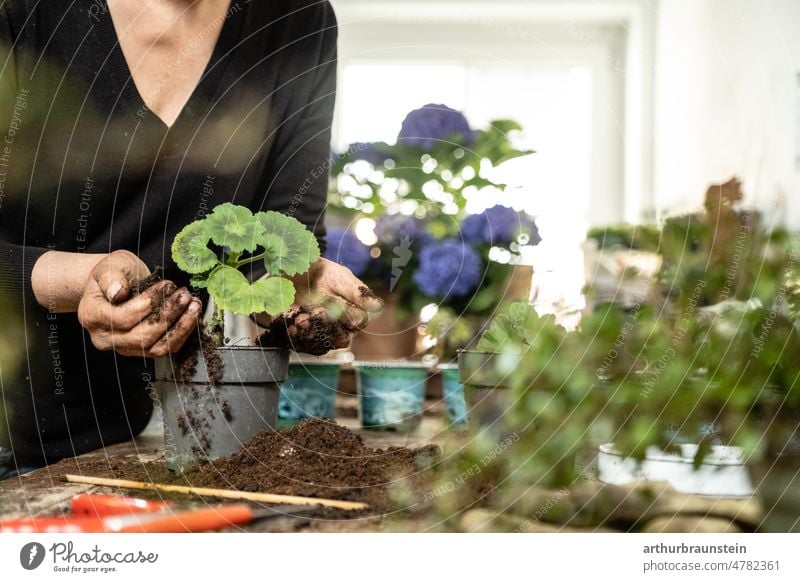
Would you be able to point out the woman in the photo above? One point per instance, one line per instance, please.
(124, 121)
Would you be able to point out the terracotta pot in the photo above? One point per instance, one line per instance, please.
(390, 335)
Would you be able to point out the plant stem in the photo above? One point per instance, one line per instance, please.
(217, 327)
(232, 259)
(250, 260)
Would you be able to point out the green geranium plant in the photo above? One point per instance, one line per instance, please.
(215, 249)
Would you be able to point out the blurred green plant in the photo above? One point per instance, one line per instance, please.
(705, 359)
(642, 237)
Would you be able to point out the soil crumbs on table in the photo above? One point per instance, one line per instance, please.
(317, 458)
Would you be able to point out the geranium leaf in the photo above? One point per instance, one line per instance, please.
(275, 295)
(229, 288)
(190, 249)
(199, 282)
(234, 227)
(232, 291)
(289, 247)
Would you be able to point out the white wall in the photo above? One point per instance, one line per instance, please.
(726, 102)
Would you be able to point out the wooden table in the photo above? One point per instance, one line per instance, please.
(43, 492)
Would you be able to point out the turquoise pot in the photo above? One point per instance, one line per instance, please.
(455, 403)
(308, 392)
(391, 395)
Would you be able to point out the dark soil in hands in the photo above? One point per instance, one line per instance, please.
(159, 299)
(317, 336)
(366, 293)
(140, 286)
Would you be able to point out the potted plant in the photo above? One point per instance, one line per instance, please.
(487, 370)
(221, 390)
(406, 199)
(450, 332)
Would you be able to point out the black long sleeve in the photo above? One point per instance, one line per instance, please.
(298, 172)
(16, 260)
(93, 170)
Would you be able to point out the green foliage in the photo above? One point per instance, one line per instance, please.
(518, 327)
(233, 292)
(452, 331)
(190, 249)
(707, 358)
(233, 227)
(212, 249)
(287, 249)
(636, 237)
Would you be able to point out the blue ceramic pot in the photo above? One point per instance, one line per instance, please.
(391, 395)
(455, 403)
(308, 392)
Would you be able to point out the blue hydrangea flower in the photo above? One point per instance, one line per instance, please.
(498, 225)
(345, 248)
(429, 125)
(448, 268)
(529, 227)
(374, 153)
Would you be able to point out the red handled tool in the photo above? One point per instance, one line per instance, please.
(100, 505)
(110, 514)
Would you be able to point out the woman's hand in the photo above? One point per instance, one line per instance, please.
(152, 324)
(331, 305)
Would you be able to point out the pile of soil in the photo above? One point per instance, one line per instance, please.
(317, 458)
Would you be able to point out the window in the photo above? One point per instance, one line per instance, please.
(553, 104)
(570, 82)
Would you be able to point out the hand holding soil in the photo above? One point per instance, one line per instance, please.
(126, 309)
(332, 305)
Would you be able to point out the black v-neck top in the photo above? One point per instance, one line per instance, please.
(86, 167)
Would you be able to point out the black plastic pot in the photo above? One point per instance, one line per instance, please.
(204, 421)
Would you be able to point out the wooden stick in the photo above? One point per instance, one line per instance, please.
(206, 492)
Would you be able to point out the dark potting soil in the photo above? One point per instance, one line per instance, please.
(366, 293)
(318, 337)
(141, 285)
(186, 359)
(159, 299)
(317, 458)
